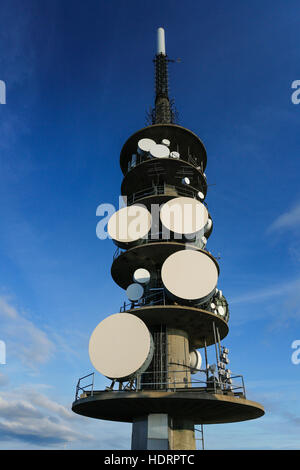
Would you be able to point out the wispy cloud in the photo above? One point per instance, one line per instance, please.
(286, 221)
(31, 417)
(276, 290)
(24, 339)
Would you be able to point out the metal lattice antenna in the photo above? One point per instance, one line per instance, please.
(164, 111)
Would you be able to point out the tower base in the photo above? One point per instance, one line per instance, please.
(158, 431)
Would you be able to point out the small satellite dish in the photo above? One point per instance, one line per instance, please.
(195, 361)
(185, 180)
(204, 240)
(175, 155)
(208, 225)
(166, 142)
(200, 195)
(159, 151)
(121, 346)
(221, 310)
(212, 306)
(145, 145)
(141, 275)
(135, 291)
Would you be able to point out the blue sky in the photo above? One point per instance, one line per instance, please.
(79, 79)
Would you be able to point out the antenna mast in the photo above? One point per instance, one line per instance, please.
(163, 112)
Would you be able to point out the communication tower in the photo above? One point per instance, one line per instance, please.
(160, 381)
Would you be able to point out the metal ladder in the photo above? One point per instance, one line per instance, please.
(201, 432)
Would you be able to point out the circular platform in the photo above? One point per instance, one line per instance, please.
(198, 406)
(159, 170)
(197, 323)
(181, 139)
(150, 256)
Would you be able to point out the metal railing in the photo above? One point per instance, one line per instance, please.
(160, 189)
(139, 159)
(83, 388)
(213, 384)
(155, 298)
(159, 298)
(158, 237)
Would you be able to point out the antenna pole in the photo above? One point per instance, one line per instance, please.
(162, 112)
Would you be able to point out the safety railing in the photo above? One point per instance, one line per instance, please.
(213, 384)
(87, 387)
(154, 298)
(139, 159)
(158, 237)
(158, 297)
(163, 189)
(171, 381)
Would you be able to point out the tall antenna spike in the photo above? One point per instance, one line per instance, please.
(162, 112)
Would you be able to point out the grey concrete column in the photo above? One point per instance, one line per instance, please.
(151, 432)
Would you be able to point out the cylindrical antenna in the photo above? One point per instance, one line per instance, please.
(161, 44)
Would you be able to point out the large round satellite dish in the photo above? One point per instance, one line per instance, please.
(134, 291)
(184, 216)
(121, 346)
(189, 275)
(141, 275)
(159, 151)
(145, 145)
(129, 224)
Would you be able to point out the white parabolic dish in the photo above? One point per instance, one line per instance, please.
(145, 145)
(159, 151)
(184, 215)
(121, 346)
(141, 275)
(129, 224)
(134, 291)
(190, 275)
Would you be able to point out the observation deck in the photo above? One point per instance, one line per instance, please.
(199, 401)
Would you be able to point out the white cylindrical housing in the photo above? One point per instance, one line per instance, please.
(161, 44)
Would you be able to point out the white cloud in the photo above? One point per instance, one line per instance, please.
(287, 220)
(277, 290)
(26, 341)
(37, 420)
